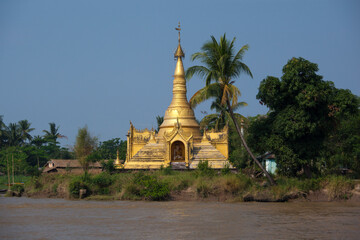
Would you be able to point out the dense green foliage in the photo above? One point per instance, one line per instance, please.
(304, 111)
(342, 147)
(108, 166)
(30, 153)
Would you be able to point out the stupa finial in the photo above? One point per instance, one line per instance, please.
(179, 52)
(117, 161)
(179, 29)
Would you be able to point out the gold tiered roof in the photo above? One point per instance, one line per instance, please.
(179, 110)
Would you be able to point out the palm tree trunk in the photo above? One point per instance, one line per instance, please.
(271, 180)
(8, 170)
(13, 168)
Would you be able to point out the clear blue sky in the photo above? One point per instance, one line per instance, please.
(104, 63)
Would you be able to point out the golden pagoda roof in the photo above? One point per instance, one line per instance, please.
(179, 110)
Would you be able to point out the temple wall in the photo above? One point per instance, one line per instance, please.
(137, 139)
(222, 147)
(220, 141)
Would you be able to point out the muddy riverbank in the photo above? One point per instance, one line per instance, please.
(190, 186)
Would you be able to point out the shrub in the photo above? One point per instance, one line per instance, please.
(203, 169)
(102, 180)
(132, 189)
(101, 183)
(179, 180)
(18, 188)
(226, 170)
(108, 166)
(152, 189)
(76, 184)
(339, 187)
(184, 183)
(236, 183)
(35, 181)
(54, 187)
(166, 170)
(308, 185)
(203, 188)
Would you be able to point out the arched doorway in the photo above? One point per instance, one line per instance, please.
(178, 152)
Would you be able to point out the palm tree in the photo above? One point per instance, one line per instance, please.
(159, 121)
(222, 65)
(52, 135)
(38, 142)
(13, 134)
(221, 118)
(24, 128)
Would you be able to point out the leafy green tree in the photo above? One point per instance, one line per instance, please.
(108, 166)
(108, 149)
(304, 109)
(222, 65)
(85, 145)
(7, 155)
(342, 146)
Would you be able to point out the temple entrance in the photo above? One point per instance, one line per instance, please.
(177, 152)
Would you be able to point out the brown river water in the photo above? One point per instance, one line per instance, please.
(26, 218)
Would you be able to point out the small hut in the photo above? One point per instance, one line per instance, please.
(268, 161)
(69, 166)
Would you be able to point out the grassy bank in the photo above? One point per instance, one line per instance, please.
(167, 184)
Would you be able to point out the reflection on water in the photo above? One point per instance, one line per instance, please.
(24, 218)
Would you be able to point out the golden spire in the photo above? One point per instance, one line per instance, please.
(179, 111)
(117, 161)
(204, 139)
(179, 52)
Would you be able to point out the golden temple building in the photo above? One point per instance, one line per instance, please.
(179, 142)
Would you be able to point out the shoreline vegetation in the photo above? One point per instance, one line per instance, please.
(199, 185)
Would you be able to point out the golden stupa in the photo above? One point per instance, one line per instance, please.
(179, 142)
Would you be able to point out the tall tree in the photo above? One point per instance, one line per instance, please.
(304, 110)
(222, 66)
(85, 144)
(24, 128)
(53, 134)
(38, 142)
(50, 137)
(13, 134)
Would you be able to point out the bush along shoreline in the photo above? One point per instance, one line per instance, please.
(203, 184)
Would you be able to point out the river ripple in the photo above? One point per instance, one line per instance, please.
(25, 218)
